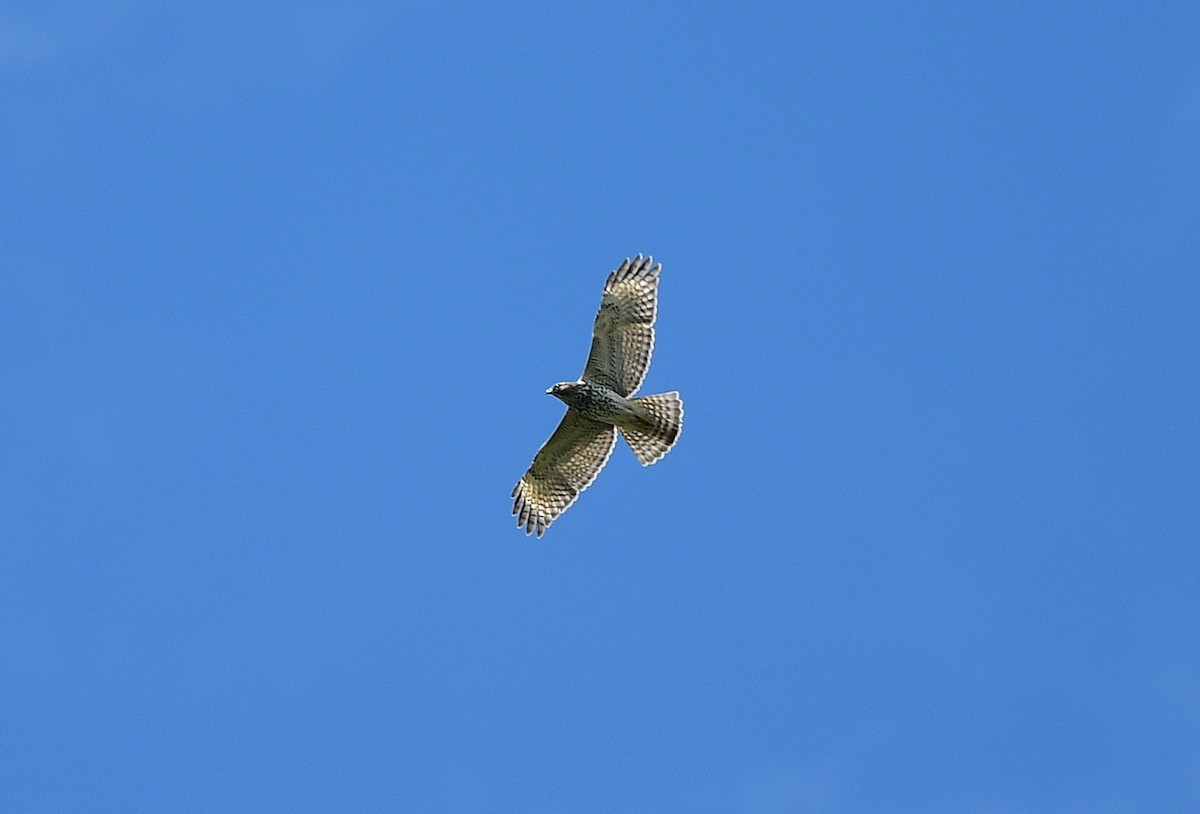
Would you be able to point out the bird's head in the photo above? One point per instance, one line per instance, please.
(563, 390)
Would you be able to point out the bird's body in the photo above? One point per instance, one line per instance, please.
(601, 403)
(597, 402)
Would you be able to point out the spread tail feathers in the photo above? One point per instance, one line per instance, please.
(653, 438)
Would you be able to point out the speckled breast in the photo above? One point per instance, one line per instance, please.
(600, 403)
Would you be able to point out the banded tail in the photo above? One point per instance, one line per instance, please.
(654, 438)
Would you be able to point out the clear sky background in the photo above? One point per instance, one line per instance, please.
(282, 288)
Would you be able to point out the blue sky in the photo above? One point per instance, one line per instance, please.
(283, 288)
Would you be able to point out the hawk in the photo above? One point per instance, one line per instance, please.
(601, 403)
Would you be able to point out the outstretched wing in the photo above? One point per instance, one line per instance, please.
(565, 465)
(623, 336)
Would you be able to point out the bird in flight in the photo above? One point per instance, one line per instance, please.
(602, 403)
